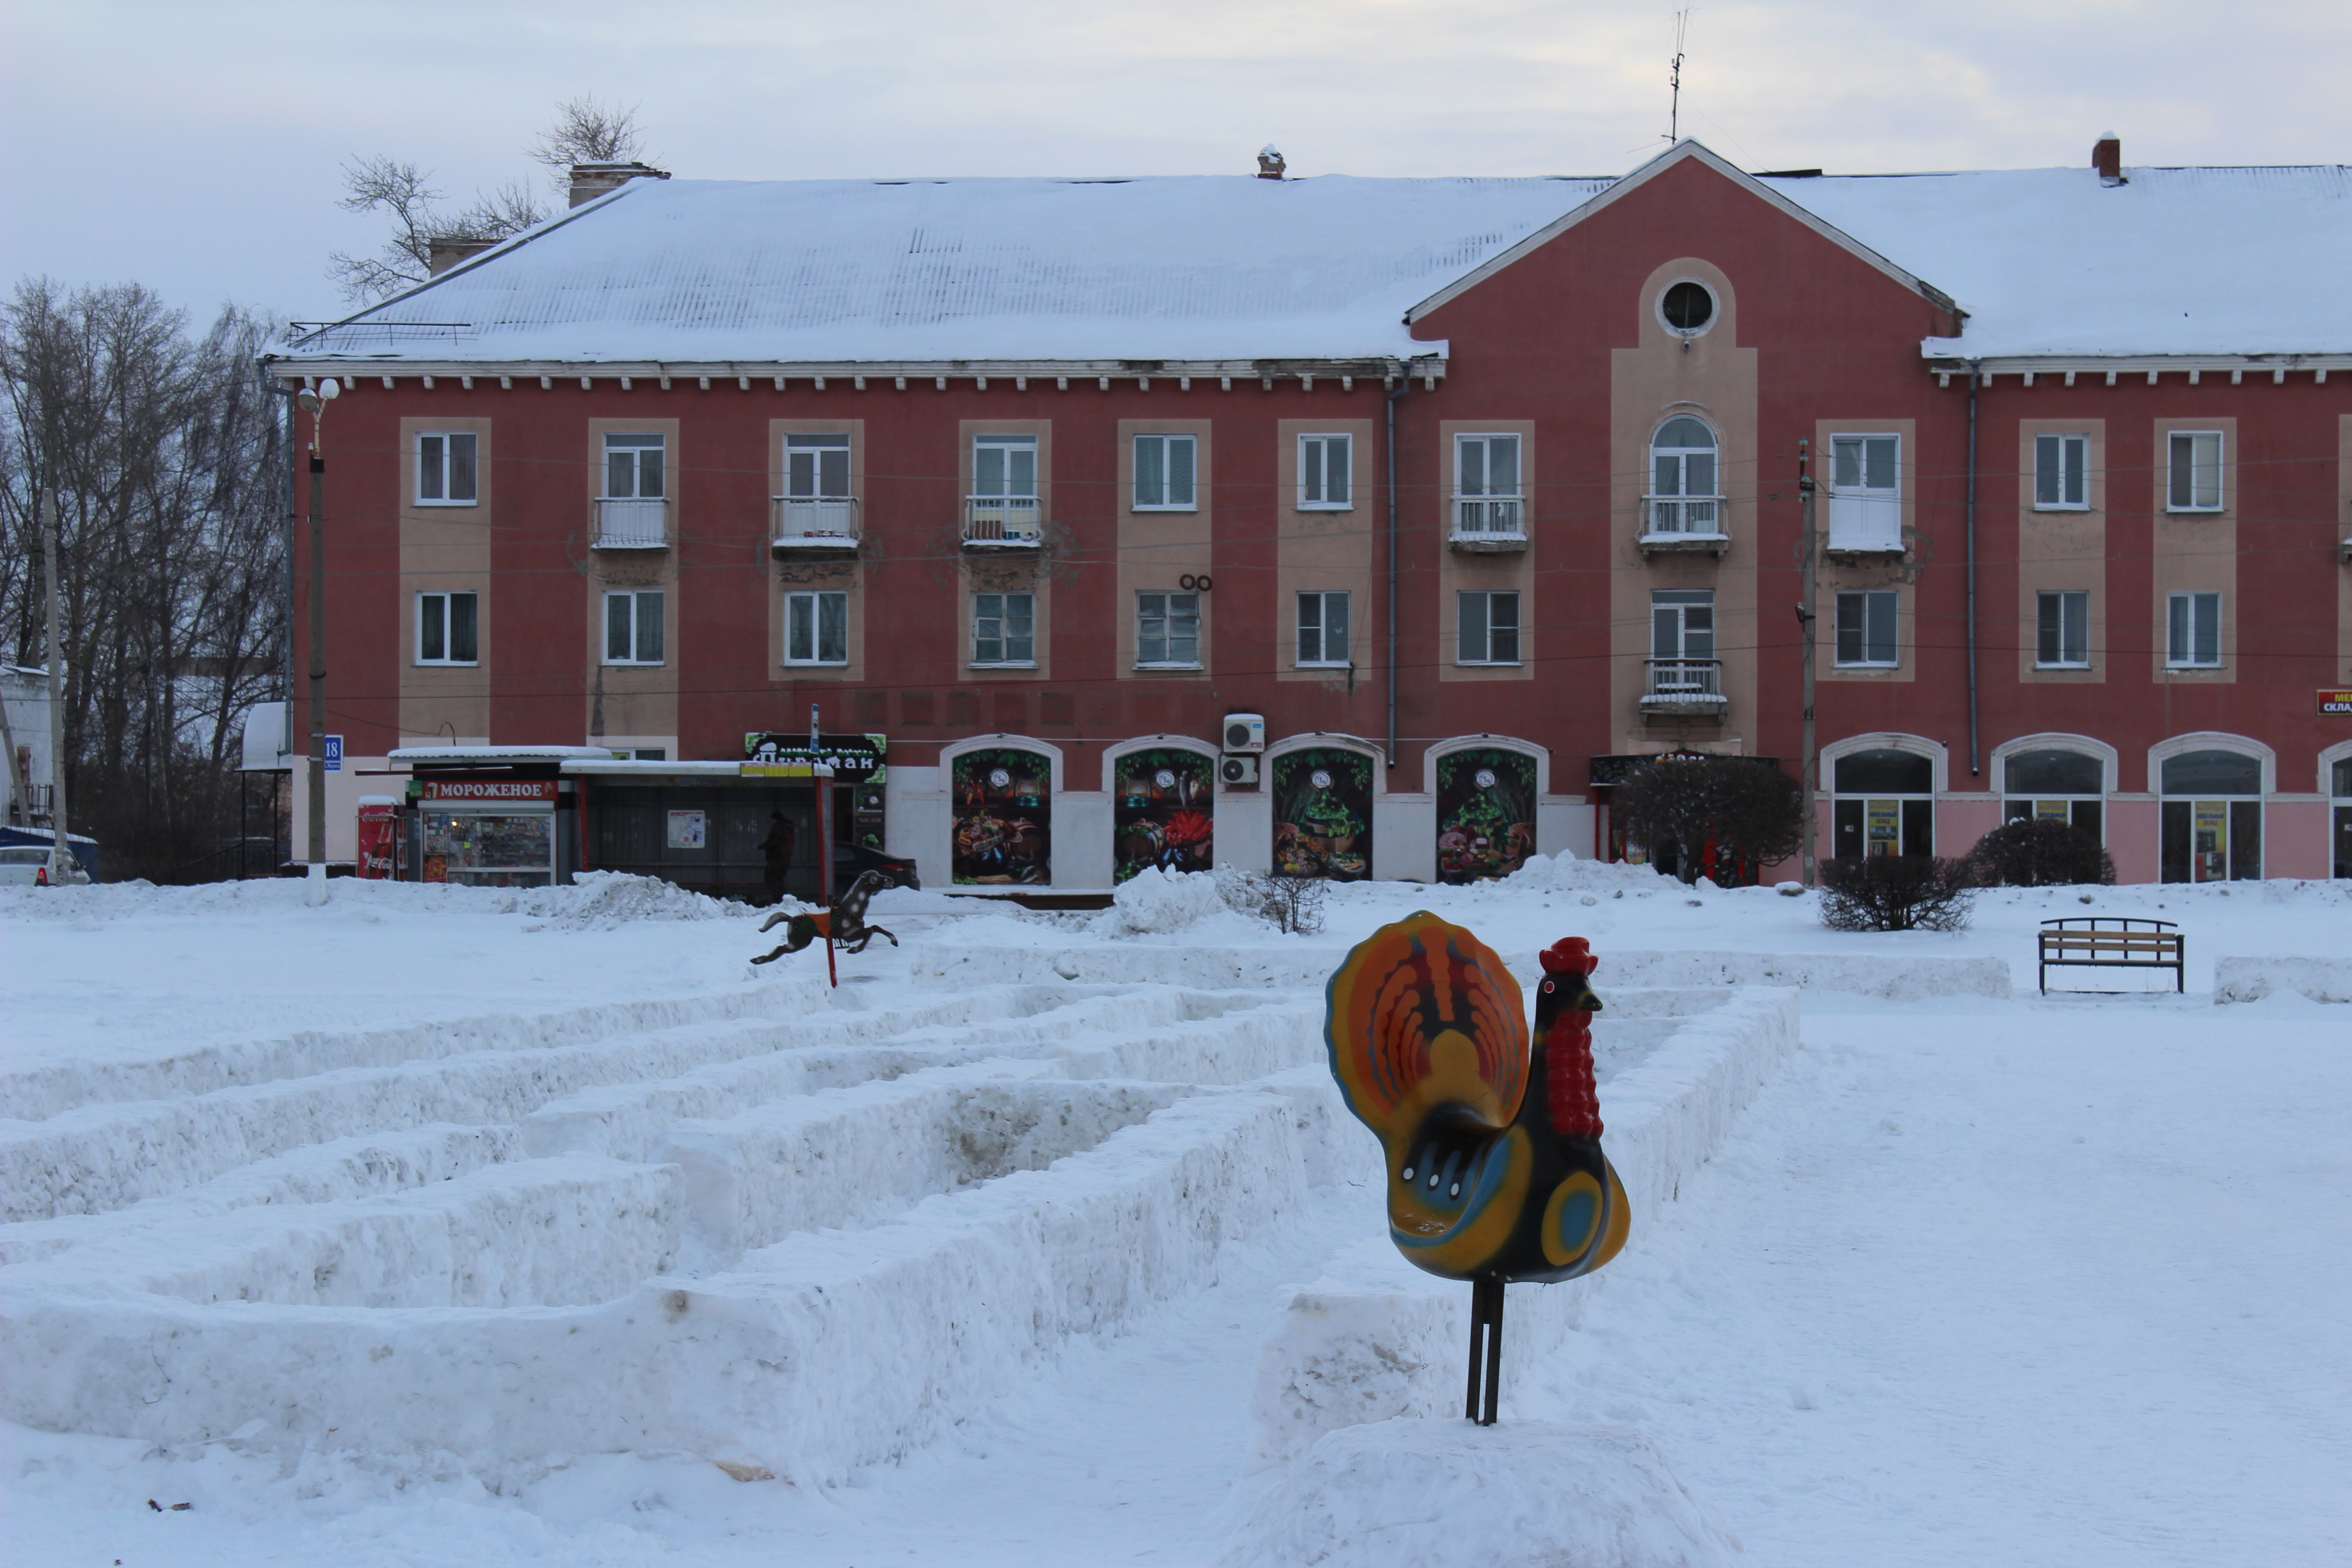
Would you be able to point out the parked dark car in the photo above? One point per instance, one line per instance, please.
(850, 859)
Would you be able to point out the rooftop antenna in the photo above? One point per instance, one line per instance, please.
(1674, 80)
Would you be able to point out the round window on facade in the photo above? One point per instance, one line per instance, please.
(1688, 307)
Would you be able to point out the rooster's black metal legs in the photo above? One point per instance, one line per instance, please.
(1485, 1344)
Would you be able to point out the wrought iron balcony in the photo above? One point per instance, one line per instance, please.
(1685, 688)
(814, 526)
(638, 523)
(1001, 522)
(1489, 524)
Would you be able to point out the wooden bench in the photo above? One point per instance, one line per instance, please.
(2108, 941)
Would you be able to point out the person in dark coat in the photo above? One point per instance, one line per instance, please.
(777, 850)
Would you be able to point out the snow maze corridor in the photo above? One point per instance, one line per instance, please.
(779, 1227)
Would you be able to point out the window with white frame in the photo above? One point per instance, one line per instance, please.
(1004, 628)
(1865, 627)
(2063, 629)
(1682, 625)
(1168, 630)
(816, 627)
(2194, 471)
(445, 629)
(817, 498)
(1005, 468)
(1325, 476)
(1866, 492)
(632, 467)
(633, 627)
(1488, 624)
(1683, 480)
(2061, 473)
(1323, 630)
(445, 468)
(1486, 498)
(2192, 637)
(1164, 467)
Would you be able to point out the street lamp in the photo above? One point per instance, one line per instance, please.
(314, 404)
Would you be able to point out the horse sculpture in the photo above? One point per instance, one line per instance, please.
(844, 924)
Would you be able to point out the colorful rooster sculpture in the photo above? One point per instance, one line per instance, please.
(1495, 1168)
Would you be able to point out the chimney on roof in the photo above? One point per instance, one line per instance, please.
(2107, 158)
(1269, 162)
(590, 181)
(444, 251)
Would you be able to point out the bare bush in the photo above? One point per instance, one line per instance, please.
(1895, 892)
(1293, 904)
(2038, 853)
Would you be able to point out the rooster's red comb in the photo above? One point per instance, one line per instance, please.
(1569, 952)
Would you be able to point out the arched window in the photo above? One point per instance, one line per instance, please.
(1683, 496)
(1883, 803)
(2215, 833)
(2055, 783)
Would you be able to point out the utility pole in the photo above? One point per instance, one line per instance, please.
(62, 871)
(315, 404)
(1805, 614)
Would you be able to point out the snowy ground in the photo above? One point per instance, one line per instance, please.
(1972, 1279)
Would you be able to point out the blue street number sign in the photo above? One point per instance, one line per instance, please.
(334, 759)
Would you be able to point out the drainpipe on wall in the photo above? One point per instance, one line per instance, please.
(1974, 762)
(1396, 395)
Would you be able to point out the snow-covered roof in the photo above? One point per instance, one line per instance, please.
(2175, 261)
(1201, 271)
(497, 753)
(1188, 269)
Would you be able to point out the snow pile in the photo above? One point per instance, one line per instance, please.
(1156, 902)
(1565, 873)
(604, 900)
(1519, 1494)
(2251, 978)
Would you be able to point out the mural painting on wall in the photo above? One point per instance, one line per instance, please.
(1486, 813)
(1163, 811)
(1323, 813)
(1003, 816)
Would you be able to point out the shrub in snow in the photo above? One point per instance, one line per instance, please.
(1293, 904)
(1740, 810)
(1154, 900)
(2029, 853)
(1895, 892)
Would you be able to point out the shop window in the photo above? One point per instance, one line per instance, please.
(445, 468)
(2340, 794)
(1489, 627)
(2061, 473)
(817, 627)
(1163, 473)
(1324, 474)
(1323, 631)
(445, 629)
(1883, 803)
(1865, 627)
(1003, 629)
(2063, 630)
(1163, 812)
(509, 847)
(2055, 784)
(2216, 833)
(1003, 816)
(633, 627)
(1168, 631)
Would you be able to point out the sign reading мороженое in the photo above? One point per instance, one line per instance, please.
(2336, 704)
(490, 789)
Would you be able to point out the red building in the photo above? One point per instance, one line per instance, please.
(1468, 490)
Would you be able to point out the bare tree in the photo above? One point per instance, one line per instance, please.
(587, 131)
(405, 259)
(166, 455)
(1744, 809)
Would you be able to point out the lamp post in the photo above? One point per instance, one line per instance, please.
(314, 404)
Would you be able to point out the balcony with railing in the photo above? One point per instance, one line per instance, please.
(1002, 522)
(814, 526)
(1683, 522)
(1685, 689)
(1489, 525)
(638, 523)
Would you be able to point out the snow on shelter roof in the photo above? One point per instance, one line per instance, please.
(2047, 262)
(834, 271)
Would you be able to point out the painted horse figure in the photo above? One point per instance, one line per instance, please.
(844, 922)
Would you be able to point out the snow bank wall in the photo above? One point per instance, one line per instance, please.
(1377, 1338)
(2251, 978)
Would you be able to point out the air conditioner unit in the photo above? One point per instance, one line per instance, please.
(1237, 771)
(1245, 732)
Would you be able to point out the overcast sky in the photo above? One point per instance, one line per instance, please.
(197, 148)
